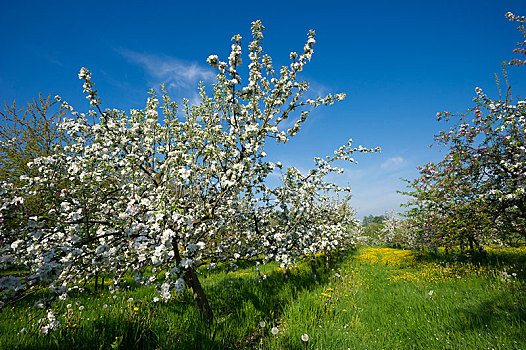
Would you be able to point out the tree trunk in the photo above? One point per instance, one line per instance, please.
(191, 280)
(480, 247)
(193, 283)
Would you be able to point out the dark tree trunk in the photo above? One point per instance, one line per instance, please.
(193, 283)
(483, 253)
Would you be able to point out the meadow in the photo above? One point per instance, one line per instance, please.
(368, 298)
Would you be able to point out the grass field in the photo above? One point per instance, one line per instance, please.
(372, 298)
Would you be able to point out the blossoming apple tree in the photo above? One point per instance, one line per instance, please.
(477, 193)
(310, 220)
(156, 193)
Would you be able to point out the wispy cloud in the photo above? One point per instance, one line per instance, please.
(175, 73)
(316, 89)
(393, 163)
(52, 58)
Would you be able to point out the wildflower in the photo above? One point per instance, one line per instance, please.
(430, 293)
(305, 337)
(274, 330)
(81, 307)
(262, 324)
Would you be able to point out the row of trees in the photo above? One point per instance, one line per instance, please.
(387, 229)
(157, 193)
(477, 193)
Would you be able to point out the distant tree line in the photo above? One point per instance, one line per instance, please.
(376, 219)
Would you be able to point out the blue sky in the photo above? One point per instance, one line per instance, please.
(399, 62)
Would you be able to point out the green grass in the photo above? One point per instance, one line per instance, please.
(374, 298)
(240, 300)
(393, 299)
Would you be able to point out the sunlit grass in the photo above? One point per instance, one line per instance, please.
(395, 299)
(375, 298)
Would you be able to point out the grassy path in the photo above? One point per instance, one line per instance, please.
(395, 299)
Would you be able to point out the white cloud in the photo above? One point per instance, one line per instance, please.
(315, 90)
(393, 163)
(175, 73)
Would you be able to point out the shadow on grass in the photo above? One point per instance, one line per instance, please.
(507, 310)
(240, 303)
(120, 331)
